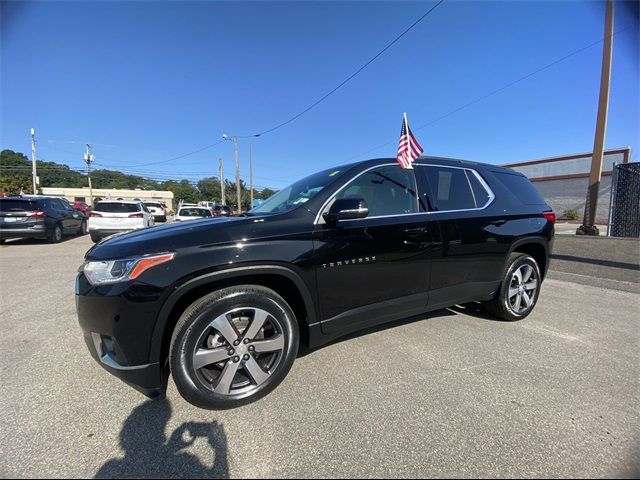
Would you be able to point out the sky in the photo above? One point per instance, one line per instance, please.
(145, 82)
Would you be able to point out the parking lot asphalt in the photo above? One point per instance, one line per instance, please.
(451, 394)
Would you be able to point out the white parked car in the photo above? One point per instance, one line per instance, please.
(192, 213)
(157, 210)
(115, 216)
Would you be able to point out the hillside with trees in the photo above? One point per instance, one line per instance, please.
(15, 173)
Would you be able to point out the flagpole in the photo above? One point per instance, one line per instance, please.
(406, 123)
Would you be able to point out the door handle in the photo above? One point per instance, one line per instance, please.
(416, 231)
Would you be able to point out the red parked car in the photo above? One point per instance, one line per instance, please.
(82, 206)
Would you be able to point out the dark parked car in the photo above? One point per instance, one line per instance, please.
(221, 211)
(224, 304)
(34, 216)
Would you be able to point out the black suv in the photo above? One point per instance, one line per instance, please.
(35, 216)
(223, 304)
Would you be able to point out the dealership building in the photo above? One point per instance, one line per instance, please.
(82, 194)
(563, 181)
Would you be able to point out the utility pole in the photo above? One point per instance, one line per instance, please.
(33, 160)
(588, 223)
(221, 175)
(235, 143)
(89, 158)
(251, 174)
(234, 138)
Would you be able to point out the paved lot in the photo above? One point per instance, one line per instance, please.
(453, 395)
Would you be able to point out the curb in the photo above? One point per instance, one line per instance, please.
(595, 281)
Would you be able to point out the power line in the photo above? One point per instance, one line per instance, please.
(348, 78)
(494, 92)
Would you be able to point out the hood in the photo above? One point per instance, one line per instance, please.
(173, 236)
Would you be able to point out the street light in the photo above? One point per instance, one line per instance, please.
(234, 139)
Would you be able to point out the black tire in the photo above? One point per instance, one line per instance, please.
(83, 228)
(196, 385)
(2, 241)
(55, 235)
(501, 306)
(95, 237)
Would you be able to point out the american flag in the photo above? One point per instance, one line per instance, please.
(408, 149)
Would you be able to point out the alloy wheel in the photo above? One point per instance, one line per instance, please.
(238, 351)
(522, 289)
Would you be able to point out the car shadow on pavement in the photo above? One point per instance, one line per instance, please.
(16, 242)
(474, 309)
(149, 454)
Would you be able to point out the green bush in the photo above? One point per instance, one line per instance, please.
(571, 214)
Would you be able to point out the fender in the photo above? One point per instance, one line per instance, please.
(538, 240)
(185, 288)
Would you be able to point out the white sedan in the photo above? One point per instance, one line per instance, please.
(192, 213)
(110, 216)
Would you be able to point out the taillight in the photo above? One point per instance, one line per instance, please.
(95, 214)
(136, 215)
(550, 215)
(37, 214)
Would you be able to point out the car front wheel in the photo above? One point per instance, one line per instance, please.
(519, 290)
(233, 346)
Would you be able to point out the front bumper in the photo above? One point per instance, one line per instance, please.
(117, 322)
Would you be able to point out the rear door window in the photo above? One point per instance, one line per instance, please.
(452, 189)
(115, 207)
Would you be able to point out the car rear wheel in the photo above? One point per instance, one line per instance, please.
(83, 228)
(55, 236)
(519, 290)
(95, 238)
(233, 346)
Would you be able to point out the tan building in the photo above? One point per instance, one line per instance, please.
(82, 194)
(563, 181)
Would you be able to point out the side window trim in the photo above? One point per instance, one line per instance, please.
(466, 170)
(319, 220)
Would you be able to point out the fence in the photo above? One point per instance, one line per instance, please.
(625, 201)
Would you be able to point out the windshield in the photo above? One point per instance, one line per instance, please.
(298, 193)
(153, 204)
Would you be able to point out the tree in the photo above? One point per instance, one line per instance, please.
(209, 188)
(182, 190)
(15, 174)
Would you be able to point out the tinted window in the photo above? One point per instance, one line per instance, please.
(194, 212)
(521, 188)
(17, 205)
(153, 204)
(480, 193)
(115, 207)
(451, 189)
(387, 191)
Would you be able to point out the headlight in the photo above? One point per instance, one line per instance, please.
(113, 271)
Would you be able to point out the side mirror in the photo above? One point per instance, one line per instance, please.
(346, 209)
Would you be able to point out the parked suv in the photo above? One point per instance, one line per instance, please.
(157, 210)
(192, 213)
(35, 216)
(110, 216)
(223, 305)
